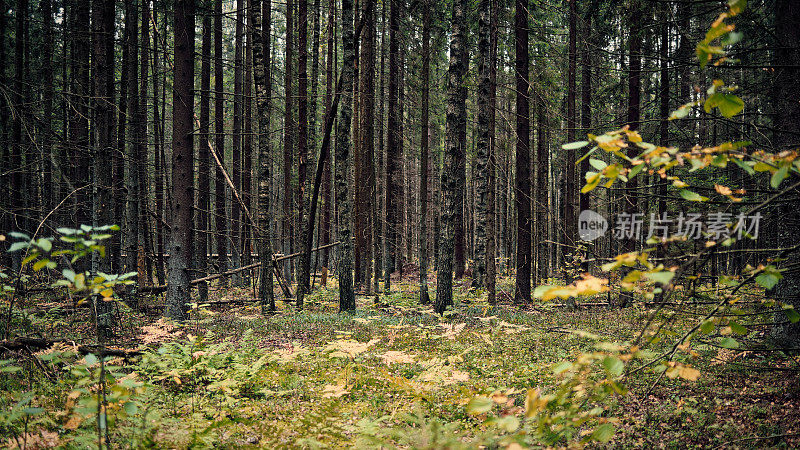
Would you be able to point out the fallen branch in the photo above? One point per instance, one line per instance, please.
(26, 343)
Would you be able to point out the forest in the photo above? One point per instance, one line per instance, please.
(399, 224)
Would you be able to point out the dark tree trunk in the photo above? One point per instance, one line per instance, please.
(220, 187)
(454, 153)
(131, 230)
(247, 148)
(145, 237)
(491, 232)
(347, 298)
(570, 195)
(288, 140)
(261, 16)
(586, 101)
(393, 148)
(236, 149)
(47, 113)
(158, 143)
(203, 165)
(304, 267)
(364, 155)
(522, 202)
(178, 295)
(483, 142)
(424, 298)
(326, 178)
(630, 198)
(118, 241)
(103, 29)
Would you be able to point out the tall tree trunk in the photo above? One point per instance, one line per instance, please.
(786, 92)
(491, 232)
(379, 225)
(586, 101)
(326, 178)
(365, 184)
(347, 298)
(220, 188)
(47, 101)
(247, 147)
(145, 238)
(630, 198)
(118, 169)
(103, 118)
(131, 232)
(180, 258)
(522, 202)
(158, 131)
(393, 148)
(261, 15)
(459, 224)
(203, 164)
(302, 151)
(236, 148)
(288, 139)
(570, 194)
(6, 220)
(454, 153)
(424, 298)
(483, 142)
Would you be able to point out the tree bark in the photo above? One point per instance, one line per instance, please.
(424, 298)
(261, 15)
(177, 297)
(220, 187)
(393, 148)
(236, 147)
(454, 153)
(522, 202)
(347, 298)
(303, 278)
(203, 164)
(482, 144)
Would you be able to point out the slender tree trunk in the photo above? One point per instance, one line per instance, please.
(203, 165)
(483, 143)
(326, 178)
(261, 15)
(180, 258)
(103, 28)
(347, 299)
(570, 194)
(454, 153)
(302, 152)
(6, 220)
(424, 298)
(366, 185)
(522, 201)
(630, 198)
(236, 147)
(47, 106)
(144, 262)
(288, 139)
(586, 101)
(247, 147)
(220, 187)
(393, 147)
(159, 156)
(379, 226)
(131, 232)
(491, 234)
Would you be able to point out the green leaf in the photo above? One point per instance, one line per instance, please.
(575, 145)
(635, 171)
(508, 423)
(779, 176)
(746, 167)
(38, 265)
(479, 405)
(728, 104)
(791, 313)
(44, 244)
(692, 196)
(68, 274)
(613, 365)
(738, 328)
(729, 342)
(768, 279)
(707, 327)
(18, 235)
(732, 38)
(604, 432)
(16, 246)
(663, 277)
(597, 163)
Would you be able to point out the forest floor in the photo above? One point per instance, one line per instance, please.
(393, 373)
